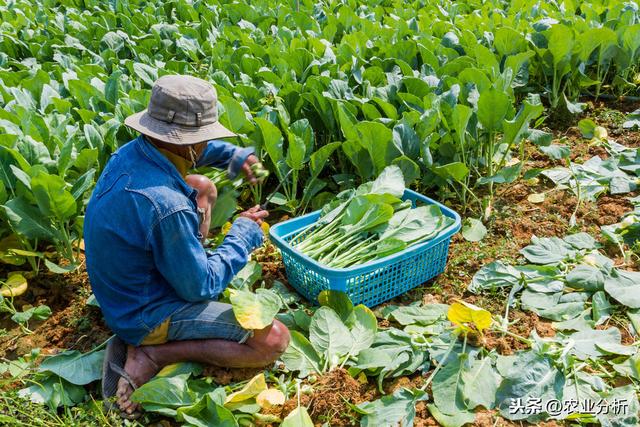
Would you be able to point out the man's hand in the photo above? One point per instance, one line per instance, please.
(246, 168)
(255, 214)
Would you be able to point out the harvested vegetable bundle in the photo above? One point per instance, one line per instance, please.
(370, 222)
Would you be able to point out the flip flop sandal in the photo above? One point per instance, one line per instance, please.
(112, 370)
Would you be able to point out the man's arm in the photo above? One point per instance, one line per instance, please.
(183, 262)
(221, 154)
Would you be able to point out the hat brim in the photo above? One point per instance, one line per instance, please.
(173, 133)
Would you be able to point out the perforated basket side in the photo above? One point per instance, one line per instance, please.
(379, 284)
(389, 281)
(305, 280)
(371, 283)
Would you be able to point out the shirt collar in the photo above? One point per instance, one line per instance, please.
(153, 154)
(182, 164)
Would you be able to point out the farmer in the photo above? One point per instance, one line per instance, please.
(156, 284)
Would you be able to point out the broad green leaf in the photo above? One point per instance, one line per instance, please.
(422, 315)
(206, 412)
(582, 322)
(493, 106)
(27, 220)
(515, 130)
(297, 149)
(410, 169)
(181, 368)
(538, 301)
(377, 139)
(473, 230)
(458, 419)
(301, 356)
(447, 386)
(547, 250)
(53, 199)
(581, 241)
(75, 367)
(55, 268)
(555, 151)
(527, 375)
(587, 127)
(299, 417)
(495, 275)
(392, 410)
(624, 287)
(54, 392)
(328, 335)
(171, 392)
(561, 41)
(320, 157)
(480, 384)
(273, 141)
(628, 407)
(390, 181)
(456, 171)
(363, 329)
(586, 277)
(254, 310)
(584, 342)
(339, 302)
(248, 276)
(41, 312)
(601, 308)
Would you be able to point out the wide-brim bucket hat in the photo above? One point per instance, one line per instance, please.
(183, 110)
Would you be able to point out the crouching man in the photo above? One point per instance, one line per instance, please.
(156, 284)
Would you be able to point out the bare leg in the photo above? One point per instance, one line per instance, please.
(207, 195)
(144, 362)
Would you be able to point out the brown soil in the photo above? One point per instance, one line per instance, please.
(72, 325)
(328, 401)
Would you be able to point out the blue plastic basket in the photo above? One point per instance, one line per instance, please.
(371, 283)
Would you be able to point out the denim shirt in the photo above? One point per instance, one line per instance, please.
(142, 244)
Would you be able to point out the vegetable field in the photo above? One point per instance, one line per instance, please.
(522, 116)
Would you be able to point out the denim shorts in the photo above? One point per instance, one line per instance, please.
(201, 321)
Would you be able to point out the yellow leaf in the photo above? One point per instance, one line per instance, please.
(362, 378)
(249, 391)
(269, 398)
(536, 197)
(254, 310)
(225, 228)
(265, 228)
(600, 133)
(462, 313)
(15, 285)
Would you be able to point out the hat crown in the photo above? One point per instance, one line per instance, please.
(183, 100)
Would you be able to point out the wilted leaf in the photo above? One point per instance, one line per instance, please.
(536, 198)
(270, 397)
(461, 313)
(14, 286)
(253, 388)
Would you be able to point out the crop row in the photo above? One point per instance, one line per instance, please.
(334, 91)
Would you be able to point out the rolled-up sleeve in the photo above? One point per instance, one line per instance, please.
(220, 154)
(183, 262)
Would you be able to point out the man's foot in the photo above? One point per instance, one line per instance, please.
(141, 368)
